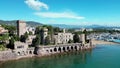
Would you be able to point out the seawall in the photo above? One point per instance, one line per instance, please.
(42, 51)
(7, 55)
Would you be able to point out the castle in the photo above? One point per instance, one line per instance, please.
(61, 39)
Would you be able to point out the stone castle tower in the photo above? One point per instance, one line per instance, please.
(82, 38)
(44, 34)
(21, 28)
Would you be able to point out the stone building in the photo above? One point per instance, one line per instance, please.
(21, 28)
(30, 38)
(20, 48)
(63, 38)
(82, 38)
(44, 34)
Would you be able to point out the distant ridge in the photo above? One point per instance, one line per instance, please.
(13, 22)
(83, 26)
(34, 24)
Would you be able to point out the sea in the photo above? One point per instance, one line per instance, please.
(102, 56)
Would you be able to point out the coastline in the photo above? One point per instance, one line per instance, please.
(41, 56)
(100, 42)
(42, 52)
(18, 58)
(95, 42)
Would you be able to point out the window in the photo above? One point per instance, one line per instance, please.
(20, 46)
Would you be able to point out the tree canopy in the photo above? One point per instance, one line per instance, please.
(4, 37)
(76, 38)
(47, 40)
(24, 37)
(11, 43)
(36, 41)
(11, 29)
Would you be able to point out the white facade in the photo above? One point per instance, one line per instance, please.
(82, 29)
(62, 38)
(117, 29)
(30, 29)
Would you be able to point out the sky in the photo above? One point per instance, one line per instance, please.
(71, 12)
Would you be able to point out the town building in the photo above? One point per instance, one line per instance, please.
(82, 29)
(30, 29)
(116, 29)
(21, 28)
(63, 38)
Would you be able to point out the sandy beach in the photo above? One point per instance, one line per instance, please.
(95, 42)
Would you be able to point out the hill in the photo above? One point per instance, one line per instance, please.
(83, 26)
(29, 23)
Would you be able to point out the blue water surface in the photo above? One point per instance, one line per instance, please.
(103, 56)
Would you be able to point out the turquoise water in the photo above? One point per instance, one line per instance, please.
(102, 56)
(116, 40)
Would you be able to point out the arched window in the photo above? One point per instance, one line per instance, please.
(55, 49)
(50, 50)
(64, 49)
(59, 49)
(71, 47)
(68, 48)
(75, 47)
(30, 52)
(18, 53)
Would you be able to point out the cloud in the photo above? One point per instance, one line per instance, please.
(58, 15)
(36, 4)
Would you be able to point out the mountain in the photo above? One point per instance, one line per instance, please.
(32, 23)
(82, 26)
(65, 26)
(75, 26)
(29, 23)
